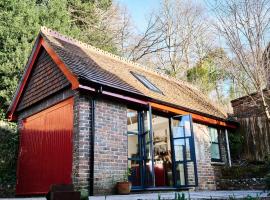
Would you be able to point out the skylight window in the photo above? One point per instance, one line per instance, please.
(146, 82)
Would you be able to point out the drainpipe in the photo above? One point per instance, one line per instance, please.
(92, 143)
(228, 148)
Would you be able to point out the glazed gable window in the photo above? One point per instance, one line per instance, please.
(215, 144)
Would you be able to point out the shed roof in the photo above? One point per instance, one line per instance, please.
(92, 65)
(95, 65)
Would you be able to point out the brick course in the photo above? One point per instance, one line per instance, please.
(208, 172)
(81, 141)
(110, 161)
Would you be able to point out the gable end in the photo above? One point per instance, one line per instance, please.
(45, 79)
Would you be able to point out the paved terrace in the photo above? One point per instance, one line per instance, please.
(170, 195)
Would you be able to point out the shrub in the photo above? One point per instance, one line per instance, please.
(267, 181)
(236, 141)
(242, 172)
(8, 158)
(267, 177)
(84, 194)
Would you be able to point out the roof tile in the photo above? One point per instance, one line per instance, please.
(101, 67)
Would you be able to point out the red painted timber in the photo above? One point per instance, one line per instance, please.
(45, 153)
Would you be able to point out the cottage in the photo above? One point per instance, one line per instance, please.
(85, 116)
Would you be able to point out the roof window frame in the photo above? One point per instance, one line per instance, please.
(146, 82)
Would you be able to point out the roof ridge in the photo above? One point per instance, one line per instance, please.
(71, 40)
(75, 41)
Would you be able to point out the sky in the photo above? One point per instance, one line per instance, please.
(141, 9)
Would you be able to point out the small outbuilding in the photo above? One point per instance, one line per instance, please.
(86, 116)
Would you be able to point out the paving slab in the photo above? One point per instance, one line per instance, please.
(197, 195)
(189, 195)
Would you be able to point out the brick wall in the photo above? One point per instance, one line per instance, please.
(110, 161)
(81, 140)
(208, 172)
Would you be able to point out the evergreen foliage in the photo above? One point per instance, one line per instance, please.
(20, 22)
(207, 73)
(8, 158)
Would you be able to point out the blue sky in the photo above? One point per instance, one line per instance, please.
(141, 9)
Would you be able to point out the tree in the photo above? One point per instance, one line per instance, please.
(90, 17)
(20, 22)
(244, 27)
(209, 74)
(177, 36)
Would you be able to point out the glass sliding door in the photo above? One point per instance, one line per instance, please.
(134, 148)
(185, 168)
(162, 152)
(140, 148)
(147, 150)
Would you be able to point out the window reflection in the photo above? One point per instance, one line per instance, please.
(162, 151)
(135, 173)
(133, 146)
(132, 121)
(215, 150)
(181, 127)
(134, 164)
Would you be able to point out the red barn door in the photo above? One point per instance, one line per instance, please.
(45, 154)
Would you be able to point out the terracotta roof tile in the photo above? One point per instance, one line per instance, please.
(98, 66)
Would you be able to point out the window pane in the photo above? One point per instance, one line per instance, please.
(132, 121)
(188, 153)
(186, 123)
(146, 120)
(135, 172)
(215, 154)
(178, 132)
(181, 127)
(147, 151)
(133, 146)
(190, 173)
(148, 178)
(180, 175)
(162, 151)
(213, 134)
(179, 149)
(177, 129)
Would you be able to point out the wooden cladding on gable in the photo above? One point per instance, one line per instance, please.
(45, 79)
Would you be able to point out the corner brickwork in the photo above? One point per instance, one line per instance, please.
(111, 156)
(81, 141)
(208, 172)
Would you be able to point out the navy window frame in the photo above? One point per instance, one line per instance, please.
(215, 143)
(142, 145)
